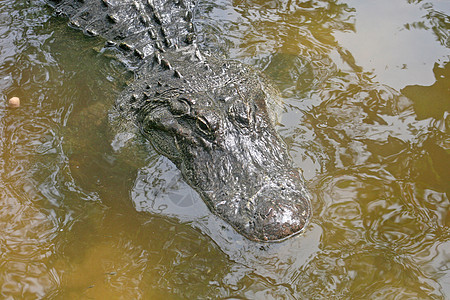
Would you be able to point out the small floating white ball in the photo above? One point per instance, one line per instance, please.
(14, 102)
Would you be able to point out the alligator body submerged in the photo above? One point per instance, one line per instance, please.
(212, 117)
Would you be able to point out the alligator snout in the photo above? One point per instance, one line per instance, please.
(279, 211)
(280, 222)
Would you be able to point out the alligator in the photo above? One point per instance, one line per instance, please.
(213, 117)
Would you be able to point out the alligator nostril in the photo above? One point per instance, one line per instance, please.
(267, 214)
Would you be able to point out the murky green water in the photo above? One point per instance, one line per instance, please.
(87, 211)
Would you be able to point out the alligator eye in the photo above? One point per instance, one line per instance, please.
(203, 125)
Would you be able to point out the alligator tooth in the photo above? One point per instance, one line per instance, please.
(110, 43)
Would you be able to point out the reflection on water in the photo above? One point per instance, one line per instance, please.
(89, 210)
(396, 40)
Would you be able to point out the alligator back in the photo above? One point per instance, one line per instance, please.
(137, 27)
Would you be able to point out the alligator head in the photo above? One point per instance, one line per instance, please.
(213, 119)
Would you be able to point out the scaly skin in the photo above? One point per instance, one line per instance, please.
(212, 117)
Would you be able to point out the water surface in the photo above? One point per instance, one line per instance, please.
(90, 211)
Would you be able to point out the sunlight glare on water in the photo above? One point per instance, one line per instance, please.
(88, 210)
(392, 39)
